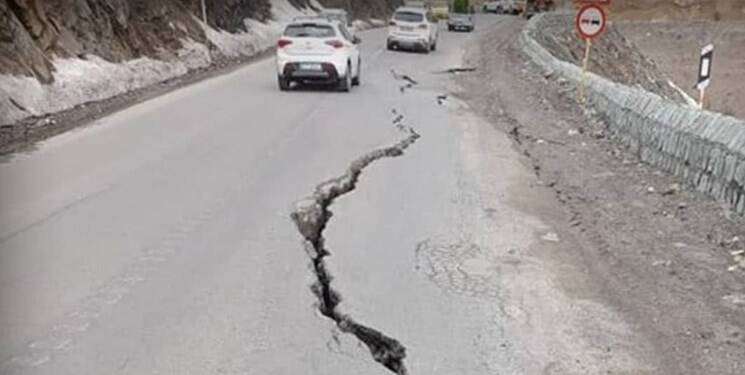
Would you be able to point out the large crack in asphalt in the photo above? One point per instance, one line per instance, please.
(311, 217)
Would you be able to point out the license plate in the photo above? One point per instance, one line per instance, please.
(307, 66)
(407, 28)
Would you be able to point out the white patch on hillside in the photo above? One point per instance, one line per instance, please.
(283, 11)
(257, 38)
(78, 81)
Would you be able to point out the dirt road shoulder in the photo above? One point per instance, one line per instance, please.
(660, 255)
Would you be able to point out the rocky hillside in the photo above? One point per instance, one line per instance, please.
(679, 9)
(58, 54)
(34, 31)
(613, 56)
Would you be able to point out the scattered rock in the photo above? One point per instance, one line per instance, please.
(730, 243)
(551, 237)
(664, 263)
(735, 299)
(442, 98)
(739, 258)
(671, 189)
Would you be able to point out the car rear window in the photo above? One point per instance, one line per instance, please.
(408, 17)
(309, 30)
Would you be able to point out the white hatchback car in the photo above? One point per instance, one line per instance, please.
(318, 50)
(414, 28)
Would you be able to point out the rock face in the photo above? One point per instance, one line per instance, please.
(229, 14)
(22, 46)
(35, 30)
(679, 9)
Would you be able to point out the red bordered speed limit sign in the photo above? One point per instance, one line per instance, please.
(591, 21)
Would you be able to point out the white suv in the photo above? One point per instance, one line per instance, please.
(413, 28)
(318, 50)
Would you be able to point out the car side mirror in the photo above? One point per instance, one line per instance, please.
(356, 40)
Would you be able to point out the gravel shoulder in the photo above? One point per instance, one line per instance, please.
(660, 255)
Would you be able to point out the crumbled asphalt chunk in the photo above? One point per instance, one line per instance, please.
(441, 99)
(404, 77)
(458, 70)
(311, 217)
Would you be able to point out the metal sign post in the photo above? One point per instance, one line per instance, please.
(588, 45)
(590, 22)
(704, 72)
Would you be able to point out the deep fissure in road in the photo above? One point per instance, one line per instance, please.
(311, 217)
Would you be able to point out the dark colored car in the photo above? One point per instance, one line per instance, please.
(460, 21)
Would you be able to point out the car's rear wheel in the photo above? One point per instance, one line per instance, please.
(433, 47)
(358, 78)
(283, 83)
(345, 83)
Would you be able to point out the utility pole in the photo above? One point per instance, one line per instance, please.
(204, 12)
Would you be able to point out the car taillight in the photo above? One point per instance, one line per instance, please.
(335, 43)
(283, 43)
(423, 26)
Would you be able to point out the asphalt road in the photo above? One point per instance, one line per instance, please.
(159, 240)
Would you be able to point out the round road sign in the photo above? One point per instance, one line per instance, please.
(591, 21)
